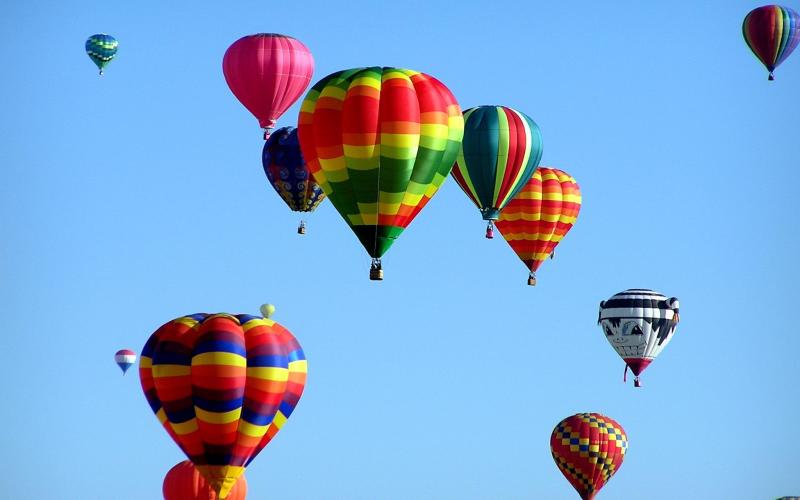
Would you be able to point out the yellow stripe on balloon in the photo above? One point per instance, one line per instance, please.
(212, 417)
(145, 362)
(268, 373)
(279, 420)
(184, 428)
(257, 322)
(219, 358)
(252, 430)
(300, 366)
(366, 81)
(367, 152)
(171, 371)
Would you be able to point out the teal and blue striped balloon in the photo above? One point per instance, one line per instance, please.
(101, 49)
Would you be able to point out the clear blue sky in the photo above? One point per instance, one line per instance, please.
(137, 197)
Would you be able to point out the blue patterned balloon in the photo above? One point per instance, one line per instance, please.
(287, 172)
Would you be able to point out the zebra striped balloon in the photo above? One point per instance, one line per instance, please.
(639, 323)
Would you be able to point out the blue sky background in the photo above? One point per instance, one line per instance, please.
(137, 197)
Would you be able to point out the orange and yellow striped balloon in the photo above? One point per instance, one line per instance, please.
(540, 215)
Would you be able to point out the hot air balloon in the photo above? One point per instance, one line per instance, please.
(638, 324)
(267, 72)
(184, 482)
(588, 449)
(101, 49)
(539, 216)
(380, 141)
(772, 32)
(287, 172)
(500, 151)
(222, 386)
(124, 359)
(267, 310)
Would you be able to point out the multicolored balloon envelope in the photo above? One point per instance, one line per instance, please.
(588, 448)
(638, 324)
(184, 482)
(500, 151)
(222, 385)
(772, 32)
(380, 141)
(287, 172)
(124, 359)
(267, 72)
(101, 49)
(539, 216)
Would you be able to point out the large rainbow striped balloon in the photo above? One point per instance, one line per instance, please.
(222, 385)
(380, 142)
(772, 32)
(500, 151)
(540, 216)
(588, 448)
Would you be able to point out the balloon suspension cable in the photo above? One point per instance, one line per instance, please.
(553, 254)
(532, 279)
(301, 229)
(771, 76)
(625, 374)
(376, 270)
(490, 230)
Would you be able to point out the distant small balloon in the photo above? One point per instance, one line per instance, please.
(101, 49)
(267, 310)
(125, 358)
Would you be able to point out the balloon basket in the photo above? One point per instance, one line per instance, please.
(636, 382)
(532, 280)
(301, 229)
(490, 231)
(771, 77)
(376, 270)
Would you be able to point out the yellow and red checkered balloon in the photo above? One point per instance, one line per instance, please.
(588, 449)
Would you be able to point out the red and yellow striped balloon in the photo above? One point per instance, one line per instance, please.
(222, 385)
(540, 215)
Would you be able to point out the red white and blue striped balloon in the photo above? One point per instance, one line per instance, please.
(125, 358)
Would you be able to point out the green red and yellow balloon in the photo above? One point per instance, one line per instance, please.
(380, 141)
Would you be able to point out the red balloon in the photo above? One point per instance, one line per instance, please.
(268, 73)
(184, 482)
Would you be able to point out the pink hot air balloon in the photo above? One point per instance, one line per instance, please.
(267, 73)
